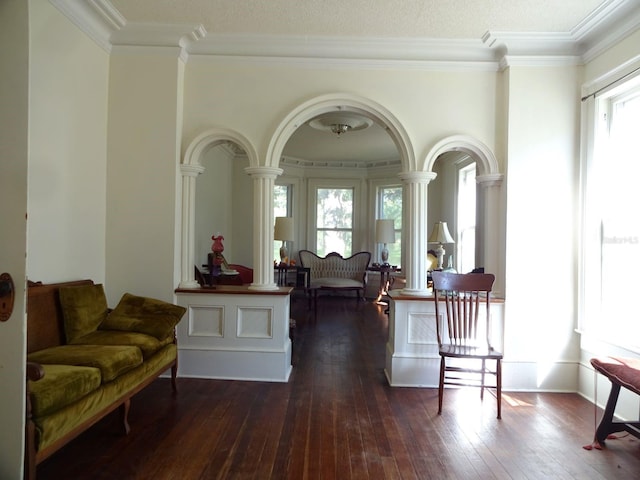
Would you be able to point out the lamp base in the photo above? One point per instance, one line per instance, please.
(384, 255)
(284, 255)
(440, 256)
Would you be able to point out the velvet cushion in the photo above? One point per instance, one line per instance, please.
(146, 343)
(144, 315)
(84, 308)
(622, 371)
(61, 386)
(59, 423)
(110, 359)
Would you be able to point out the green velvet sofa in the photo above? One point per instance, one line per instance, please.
(85, 360)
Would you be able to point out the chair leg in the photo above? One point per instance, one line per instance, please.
(499, 386)
(484, 368)
(441, 385)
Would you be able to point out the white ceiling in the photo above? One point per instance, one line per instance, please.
(460, 19)
(360, 29)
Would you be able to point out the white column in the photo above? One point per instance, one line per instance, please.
(415, 231)
(493, 234)
(189, 175)
(263, 182)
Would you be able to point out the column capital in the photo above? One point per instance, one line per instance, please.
(490, 180)
(189, 170)
(417, 176)
(265, 172)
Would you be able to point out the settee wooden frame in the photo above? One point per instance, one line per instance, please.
(308, 257)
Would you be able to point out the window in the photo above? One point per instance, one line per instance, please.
(281, 208)
(466, 241)
(390, 207)
(334, 221)
(612, 234)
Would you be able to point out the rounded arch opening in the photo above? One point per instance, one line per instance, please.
(206, 140)
(341, 103)
(486, 161)
(190, 168)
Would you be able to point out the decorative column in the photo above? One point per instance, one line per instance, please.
(263, 182)
(415, 231)
(493, 235)
(189, 175)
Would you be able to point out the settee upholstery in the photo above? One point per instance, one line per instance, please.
(85, 360)
(334, 272)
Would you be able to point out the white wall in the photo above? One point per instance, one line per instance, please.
(213, 202)
(541, 348)
(67, 164)
(14, 148)
(145, 111)
(253, 98)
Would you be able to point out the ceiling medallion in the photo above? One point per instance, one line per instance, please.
(339, 123)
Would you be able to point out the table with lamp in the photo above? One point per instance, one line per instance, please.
(439, 235)
(385, 234)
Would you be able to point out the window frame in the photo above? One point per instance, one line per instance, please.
(597, 117)
(379, 213)
(312, 231)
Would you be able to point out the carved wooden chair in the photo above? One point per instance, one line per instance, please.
(466, 338)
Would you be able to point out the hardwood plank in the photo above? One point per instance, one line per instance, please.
(337, 418)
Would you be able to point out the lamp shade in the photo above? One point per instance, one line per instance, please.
(440, 234)
(283, 229)
(385, 231)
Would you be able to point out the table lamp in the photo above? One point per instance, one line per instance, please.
(440, 234)
(283, 231)
(385, 233)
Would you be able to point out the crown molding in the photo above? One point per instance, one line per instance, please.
(608, 24)
(342, 48)
(392, 165)
(96, 18)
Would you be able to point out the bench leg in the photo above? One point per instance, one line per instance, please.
(606, 425)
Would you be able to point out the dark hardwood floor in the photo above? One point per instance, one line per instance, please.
(337, 418)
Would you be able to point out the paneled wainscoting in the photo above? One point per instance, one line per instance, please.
(337, 418)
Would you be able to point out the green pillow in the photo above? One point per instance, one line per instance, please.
(84, 308)
(144, 315)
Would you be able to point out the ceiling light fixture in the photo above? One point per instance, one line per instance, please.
(340, 122)
(340, 128)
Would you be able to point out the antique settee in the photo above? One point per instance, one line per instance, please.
(334, 272)
(85, 360)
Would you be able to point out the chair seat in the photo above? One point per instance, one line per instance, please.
(468, 351)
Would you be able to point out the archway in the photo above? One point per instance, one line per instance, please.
(190, 169)
(339, 102)
(489, 179)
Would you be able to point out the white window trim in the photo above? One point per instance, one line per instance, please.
(596, 98)
(358, 235)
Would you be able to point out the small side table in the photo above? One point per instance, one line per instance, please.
(386, 278)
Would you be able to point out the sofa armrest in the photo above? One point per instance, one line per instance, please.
(34, 371)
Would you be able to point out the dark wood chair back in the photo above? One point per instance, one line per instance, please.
(463, 296)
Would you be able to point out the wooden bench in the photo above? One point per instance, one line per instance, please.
(622, 372)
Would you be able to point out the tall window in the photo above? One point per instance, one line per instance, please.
(466, 241)
(334, 221)
(390, 207)
(613, 225)
(281, 208)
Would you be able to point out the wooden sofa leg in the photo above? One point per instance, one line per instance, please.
(30, 452)
(174, 376)
(124, 415)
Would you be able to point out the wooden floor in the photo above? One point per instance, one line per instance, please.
(337, 418)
